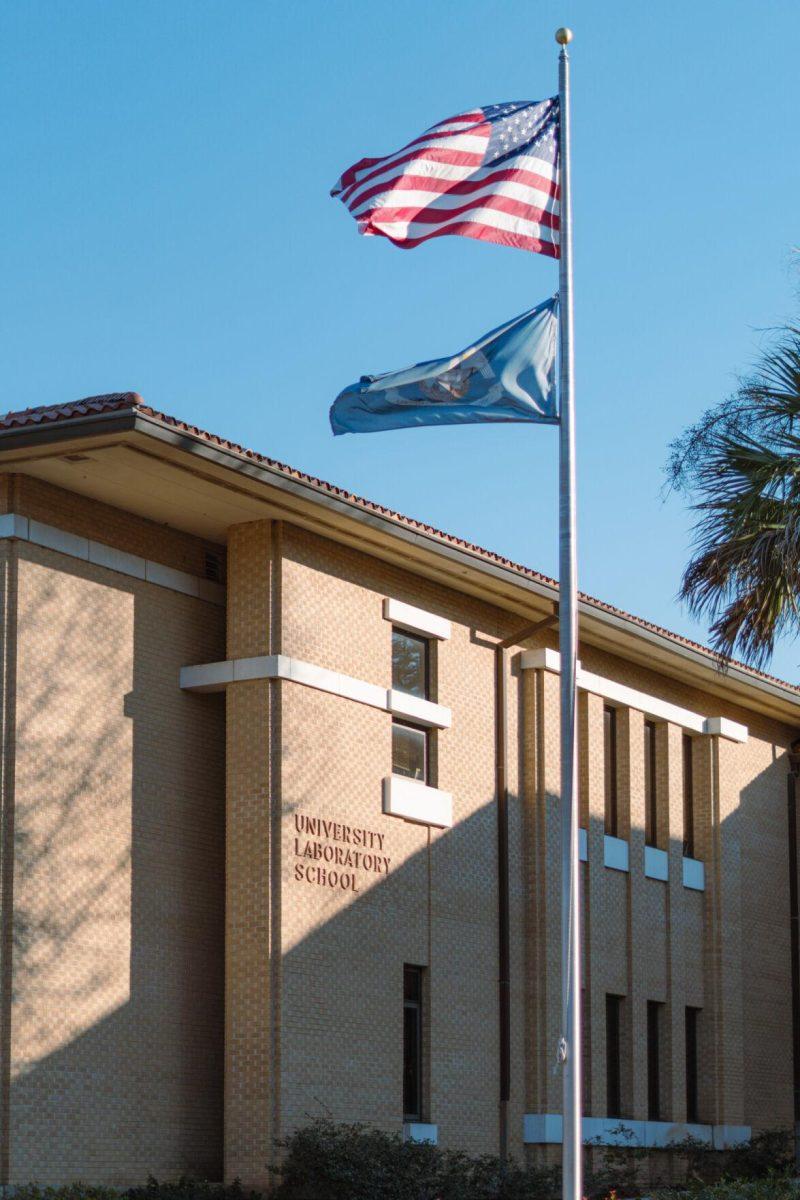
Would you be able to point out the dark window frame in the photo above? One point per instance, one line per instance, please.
(425, 643)
(426, 751)
(651, 783)
(610, 771)
(413, 1016)
(613, 1055)
(654, 1024)
(692, 1067)
(688, 796)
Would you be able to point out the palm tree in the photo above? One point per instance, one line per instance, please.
(741, 465)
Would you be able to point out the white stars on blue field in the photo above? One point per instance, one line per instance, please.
(521, 126)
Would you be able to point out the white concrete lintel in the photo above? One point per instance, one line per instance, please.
(541, 659)
(722, 727)
(12, 525)
(415, 620)
(544, 659)
(422, 712)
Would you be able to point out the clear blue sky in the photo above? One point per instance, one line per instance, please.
(167, 228)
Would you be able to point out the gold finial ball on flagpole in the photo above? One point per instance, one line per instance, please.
(563, 36)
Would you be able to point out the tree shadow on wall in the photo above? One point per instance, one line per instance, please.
(113, 991)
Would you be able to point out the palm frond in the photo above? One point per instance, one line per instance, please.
(742, 463)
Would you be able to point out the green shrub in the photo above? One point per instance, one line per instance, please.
(186, 1188)
(70, 1191)
(326, 1161)
(771, 1187)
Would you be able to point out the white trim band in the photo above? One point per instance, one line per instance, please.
(544, 659)
(546, 1129)
(415, 801)
(102, 555)
(215, 677)
(415, 620)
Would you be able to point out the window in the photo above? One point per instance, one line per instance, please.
(412, 1043)
(654, 1010)
(410, 667)
(409, 751)
(610, 763)
(613, 1056)
(650, 789)
(410, 674)
(692, 1098)
(688, 797)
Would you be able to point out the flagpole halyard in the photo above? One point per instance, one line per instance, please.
(570, 1045)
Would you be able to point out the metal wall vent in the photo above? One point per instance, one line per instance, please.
(213, 566)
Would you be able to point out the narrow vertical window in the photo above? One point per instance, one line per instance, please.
(613, 1056)
(412, 1043)
(654, 1010)
(409, 751)
(410, 664)
(650, 788)
(688, 798)
(410, 674)
(692, 1094)
(610, 765)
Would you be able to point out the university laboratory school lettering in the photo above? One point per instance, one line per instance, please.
(330, 854)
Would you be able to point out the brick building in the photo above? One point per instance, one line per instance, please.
(280, 828)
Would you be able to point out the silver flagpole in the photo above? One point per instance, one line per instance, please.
(570, 1045)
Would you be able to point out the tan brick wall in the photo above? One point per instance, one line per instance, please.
(319, 1028)
(725, 951)
(648, 940)
(114, 1031)
(252, 969)
(314, 973)
(437, 907)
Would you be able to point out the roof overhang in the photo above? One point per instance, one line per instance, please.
(167, 474)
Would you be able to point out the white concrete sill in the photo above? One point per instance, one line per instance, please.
(414, 801)
(546, 1129)
(694, 875)
(656, 863)
(615, 853)
(417, 1131)
(583, 845)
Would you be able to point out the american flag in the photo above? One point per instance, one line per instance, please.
(490, 174)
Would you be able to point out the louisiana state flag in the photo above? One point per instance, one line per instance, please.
(509, 375)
